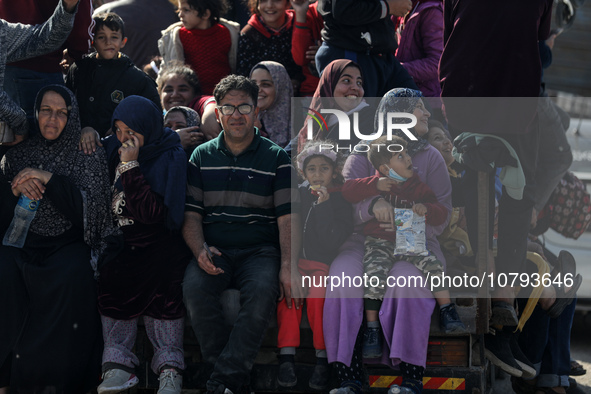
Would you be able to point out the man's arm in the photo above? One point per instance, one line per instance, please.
(290, 280)
(193, 235)
(26, 41)
(80, 39)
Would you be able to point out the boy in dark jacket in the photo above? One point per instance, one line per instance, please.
(402, 188)
(105, 77)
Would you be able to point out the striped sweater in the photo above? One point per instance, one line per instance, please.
(241, 197)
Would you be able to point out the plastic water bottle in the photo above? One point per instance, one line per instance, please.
(24, 212)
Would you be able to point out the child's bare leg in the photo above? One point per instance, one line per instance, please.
(371, 315)
(442, 297)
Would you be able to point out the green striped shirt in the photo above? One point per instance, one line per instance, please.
(240, 197)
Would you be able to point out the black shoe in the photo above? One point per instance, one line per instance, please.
(527, 368)
(319, 378)
(520, 386)
(449, 321)
(497, 349)
(286, 377)
(503, 314)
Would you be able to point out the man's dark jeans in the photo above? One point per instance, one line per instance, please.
(231, 352)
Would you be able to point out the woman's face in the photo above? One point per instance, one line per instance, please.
(267, 90)
(439, 140)
(53, 115)
(348, 92)
(124, 133)
(273, 12)
(422, 115)
(175, 120)
(176, 92)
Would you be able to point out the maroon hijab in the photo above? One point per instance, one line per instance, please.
(328, 81)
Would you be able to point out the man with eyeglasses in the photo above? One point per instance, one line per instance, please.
(239, 202)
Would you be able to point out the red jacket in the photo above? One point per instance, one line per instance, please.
(403, 195)
(304, 35)
(35, 12)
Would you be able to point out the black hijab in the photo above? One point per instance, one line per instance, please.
(61, 157)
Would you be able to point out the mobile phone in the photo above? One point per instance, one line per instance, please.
(208, 251)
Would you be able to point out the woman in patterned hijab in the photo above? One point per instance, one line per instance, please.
(275, 95)
(185, 121)
(47, 289)
(60, 156)
(410, 101)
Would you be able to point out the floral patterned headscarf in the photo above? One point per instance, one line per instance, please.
(401, 100)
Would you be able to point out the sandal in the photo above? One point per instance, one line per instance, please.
(566, 267)
(576, 369)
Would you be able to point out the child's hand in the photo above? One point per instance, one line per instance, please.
(323, 194)
(130, 150)
(385, 183)
(190, 136)
(300, 5)
(419, 209)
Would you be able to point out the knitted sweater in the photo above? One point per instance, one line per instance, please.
(207, 52)
(171, 48)
(18, 42)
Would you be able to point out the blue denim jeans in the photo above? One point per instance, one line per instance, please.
(230, 352)
(546, 343)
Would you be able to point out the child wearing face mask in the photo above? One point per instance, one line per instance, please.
(398, 185)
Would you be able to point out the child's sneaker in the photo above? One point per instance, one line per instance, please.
(116, 381)
(372, 343)
(171, 382)
(449, 321)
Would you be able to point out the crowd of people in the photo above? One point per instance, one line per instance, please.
(144, 184)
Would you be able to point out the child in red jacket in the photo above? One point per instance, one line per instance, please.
(401, 187)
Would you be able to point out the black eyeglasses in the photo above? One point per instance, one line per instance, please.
(243, 109)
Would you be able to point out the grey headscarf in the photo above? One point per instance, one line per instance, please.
(401, 100)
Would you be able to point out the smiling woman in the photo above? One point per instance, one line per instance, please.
(274, 101)
(177, 85)
(342, 80)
